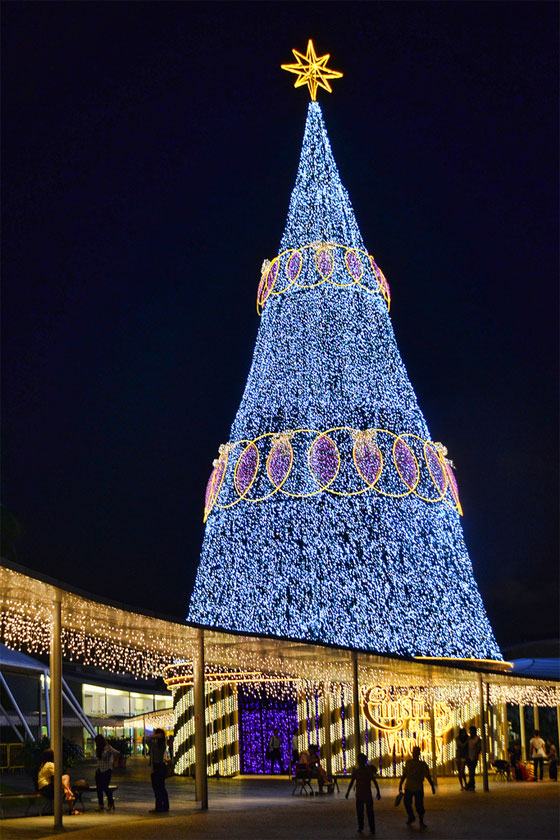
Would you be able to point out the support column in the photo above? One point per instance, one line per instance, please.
(356, 706)
(40, 725)
(56, 706)
(505, 731)
(328, 745)
(490, 714)
(522, 731)
(47, 702)
(558, 723)
(536, 717)
(201, 780)
(433, 740)
(483, 733)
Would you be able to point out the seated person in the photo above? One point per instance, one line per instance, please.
(516, 763)
(317, 770)
(304, 758)
(45, 782)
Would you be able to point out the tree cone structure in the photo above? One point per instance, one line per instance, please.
(332, 516)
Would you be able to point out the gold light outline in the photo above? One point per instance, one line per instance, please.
(214, 495)
(242, 495)
(382, 287)
(400, 437)
(264, 297)
(454, 493)
(328, 488)
(313, 445)
(294, 252)
(360, 473)
(355, 253)
(324, 277)
(278, 486)
(428, 445)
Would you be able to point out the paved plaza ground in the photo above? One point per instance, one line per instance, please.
(264, 808)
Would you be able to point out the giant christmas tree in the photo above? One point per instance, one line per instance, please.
(331, 515)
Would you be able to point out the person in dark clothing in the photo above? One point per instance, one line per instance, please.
(461, 755)
(159, 771)
(553, 759)
(474, 746)
(363, 775)
(415, 771)
(515, 760)
(105, 755)
(273, 752)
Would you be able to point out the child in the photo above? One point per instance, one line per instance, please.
(364, 775)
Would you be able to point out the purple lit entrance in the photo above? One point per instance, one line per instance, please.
(261, 710)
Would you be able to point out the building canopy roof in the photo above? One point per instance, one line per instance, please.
(119, 640)
(15, 660)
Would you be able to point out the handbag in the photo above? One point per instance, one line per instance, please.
(398, 799)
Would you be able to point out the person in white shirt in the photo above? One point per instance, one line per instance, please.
(538, 754)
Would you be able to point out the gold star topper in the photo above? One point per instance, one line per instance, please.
(312, 70)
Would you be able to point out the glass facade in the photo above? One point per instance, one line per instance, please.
(97, 701)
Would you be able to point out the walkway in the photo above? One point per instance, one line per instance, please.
(263, 808)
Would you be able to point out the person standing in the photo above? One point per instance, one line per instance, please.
(538, 754)
(156, 744)
(105, 755)
(415, 771)
(461, 755)
(474, 746)
(363, 775)
(274, 753)
(295, 750)
(553, 759)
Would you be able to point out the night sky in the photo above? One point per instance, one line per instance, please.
(149, 152)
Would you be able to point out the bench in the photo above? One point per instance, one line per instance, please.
(79, 790)
(31, 799)
(302, 780)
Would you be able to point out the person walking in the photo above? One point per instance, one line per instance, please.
(156, 744)
(105, 755)
(461, 755)
(538, 753)
(415, 771)
(363, 775)
(474, 746)
(553, 759)
(273, 752)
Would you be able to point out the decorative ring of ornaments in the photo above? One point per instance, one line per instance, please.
(327, 260)
(341, 461)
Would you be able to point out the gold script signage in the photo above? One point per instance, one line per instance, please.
(393, 713)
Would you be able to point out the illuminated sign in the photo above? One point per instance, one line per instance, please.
(404, 719)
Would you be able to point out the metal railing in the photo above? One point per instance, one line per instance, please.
(11, 756)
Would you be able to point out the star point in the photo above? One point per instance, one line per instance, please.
(312, 70)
